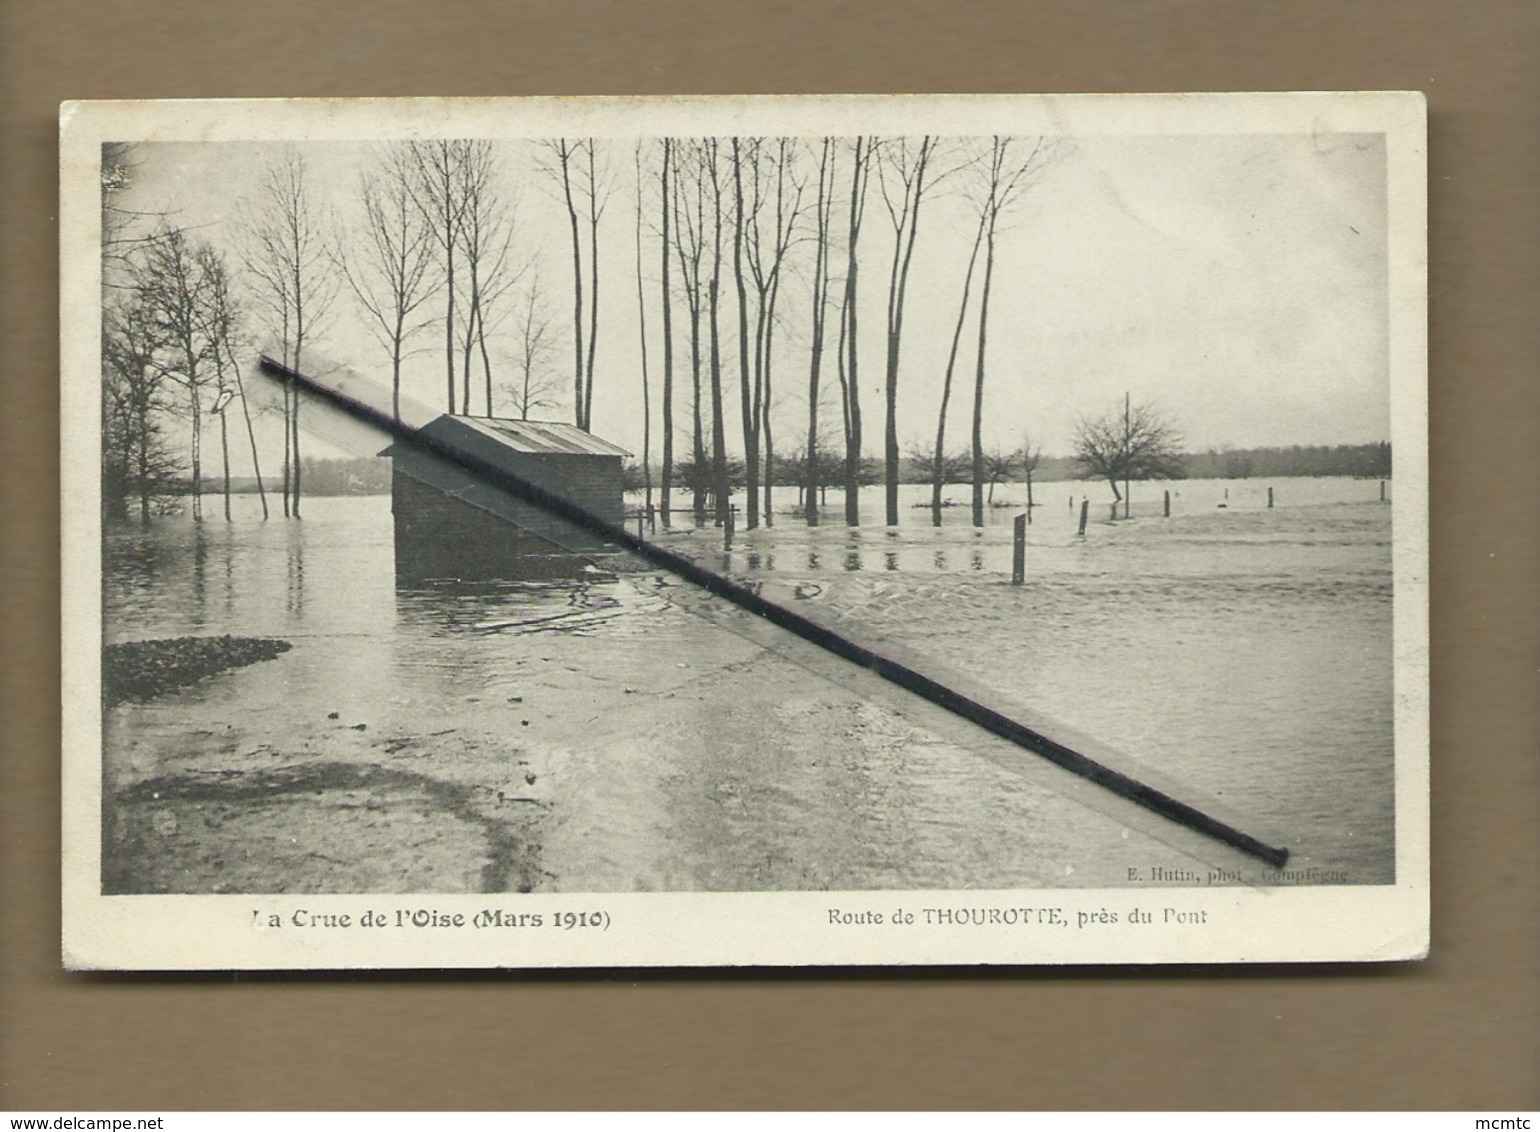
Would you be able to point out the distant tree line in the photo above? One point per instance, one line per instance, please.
(1367, 461)
(1022, 465)
(352, 475)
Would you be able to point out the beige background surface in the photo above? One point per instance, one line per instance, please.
(1459, 1031)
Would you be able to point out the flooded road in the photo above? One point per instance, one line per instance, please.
(621, 733)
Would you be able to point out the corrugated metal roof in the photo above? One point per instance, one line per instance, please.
(543, 436)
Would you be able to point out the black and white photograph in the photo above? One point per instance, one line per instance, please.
(733, 531)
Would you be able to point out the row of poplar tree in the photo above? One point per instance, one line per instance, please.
(432, 246)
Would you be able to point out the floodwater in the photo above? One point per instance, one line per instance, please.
(624, 733)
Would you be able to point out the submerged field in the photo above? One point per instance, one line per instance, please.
(627, 733)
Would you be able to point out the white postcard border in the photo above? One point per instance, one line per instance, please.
(1222, 924)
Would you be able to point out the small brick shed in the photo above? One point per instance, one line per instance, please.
(449, 524)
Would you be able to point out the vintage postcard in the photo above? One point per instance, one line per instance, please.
(744, 531)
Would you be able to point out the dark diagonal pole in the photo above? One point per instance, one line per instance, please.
(910, 679)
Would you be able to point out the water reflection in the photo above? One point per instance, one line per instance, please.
(294, 549)
(200, 561)
(227, 556)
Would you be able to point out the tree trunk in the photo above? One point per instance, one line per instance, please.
(768, 348)
(978, 381)
(720, 486)
(641, 316)
(666, 502)
(486, 360)
(395, 369)
(197, 454)
(822, 208)
(898, 285)
(299, 339)
(579, 415)
(449, 300)
(251, 436)
(938, 470)
(224, 452)
(698, 453)
(297, 466)
(466, 350)
(748, 410)
(142, 414)
(593, 288)
(850, 333)
(288, 456)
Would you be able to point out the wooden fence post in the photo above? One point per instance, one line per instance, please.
(727, 529)
(1166, 506)
(1382, 491)
(1085, 511)
(1019, 556)
(1269, 498)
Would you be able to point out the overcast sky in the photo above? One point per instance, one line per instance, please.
(1236, 281)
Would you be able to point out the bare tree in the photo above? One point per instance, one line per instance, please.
(574, 167)
(220, 317)
(776, 206)
(641, 315)
(902, 171)
(815, 477)
(486, 244)
(950, 467)
(171, 283)
(136, 457)
(435, 188)
(996, 467)
(562, 152)
(176, 324)
(748, 390)
(125, 230)
(1138, 444)
(287, 253)
(535, 385)
(1028, 458)
(850, 387)
(391, 269)
(938, 463)
(596, 192)
(823, 205)
(1012, 165)
(665, 166)
(689, 216)
(711, 166)
(134, 454)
